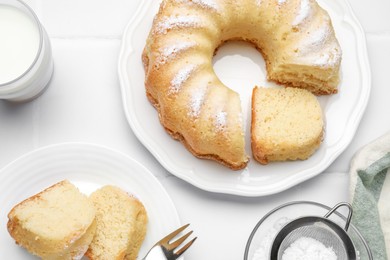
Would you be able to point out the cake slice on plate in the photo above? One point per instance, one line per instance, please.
(287, 124)
(121, 225)
(57, 223)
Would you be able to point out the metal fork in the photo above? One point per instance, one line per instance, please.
(166, 250)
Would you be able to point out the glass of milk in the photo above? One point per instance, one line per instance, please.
(26, 62)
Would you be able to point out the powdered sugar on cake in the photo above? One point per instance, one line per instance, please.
(176, 22)
(180, 78)
(196, 102)
(207, 4)
(221, 120)
(303, 12)
(328, 59)
(170, 52)
(315, 42)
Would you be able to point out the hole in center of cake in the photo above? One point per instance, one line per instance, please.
(241, 67)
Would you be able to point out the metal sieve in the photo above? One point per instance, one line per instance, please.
(321, 229)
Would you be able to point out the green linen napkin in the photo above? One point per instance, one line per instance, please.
(370, 195)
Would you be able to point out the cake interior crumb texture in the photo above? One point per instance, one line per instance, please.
(121, 225)
(287, 124)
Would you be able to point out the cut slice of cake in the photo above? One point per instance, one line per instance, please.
(287, 124)
(57, 223)
(121, 225)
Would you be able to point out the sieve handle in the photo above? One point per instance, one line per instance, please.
(349, 213)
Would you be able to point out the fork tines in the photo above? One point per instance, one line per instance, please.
(166, 241)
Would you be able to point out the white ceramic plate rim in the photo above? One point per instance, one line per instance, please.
(18, 183)
(241, 184)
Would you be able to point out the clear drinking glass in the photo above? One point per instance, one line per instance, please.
(26, 62)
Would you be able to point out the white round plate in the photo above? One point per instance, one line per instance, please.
(89, 167)
(342, 111)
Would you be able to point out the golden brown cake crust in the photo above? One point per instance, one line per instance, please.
(180, 138)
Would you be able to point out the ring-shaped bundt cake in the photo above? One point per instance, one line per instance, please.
(295, 37)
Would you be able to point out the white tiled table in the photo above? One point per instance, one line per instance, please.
(83, 103)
